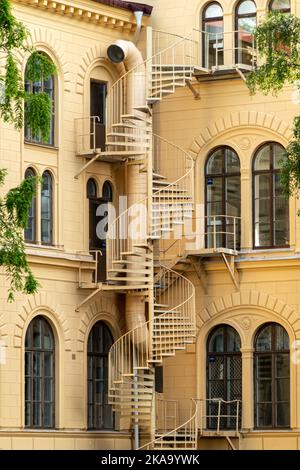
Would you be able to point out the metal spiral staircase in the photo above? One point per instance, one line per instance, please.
(133, 261)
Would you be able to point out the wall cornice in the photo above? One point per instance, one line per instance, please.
(97, 14)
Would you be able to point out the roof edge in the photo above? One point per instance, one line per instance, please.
(127, 5)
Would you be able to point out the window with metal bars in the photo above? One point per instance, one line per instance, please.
(224, 376)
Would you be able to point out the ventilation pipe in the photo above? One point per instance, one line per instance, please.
(128, 53)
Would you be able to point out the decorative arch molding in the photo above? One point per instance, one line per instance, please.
(96, 53)
(238, 120)
(41, 301)
(43, 38)
(103, 309)
(251, 299)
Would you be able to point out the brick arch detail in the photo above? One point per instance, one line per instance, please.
(238, 120)
(93, 55)
(253, 299)
(104, 309)
(44, 38)
(41, 301)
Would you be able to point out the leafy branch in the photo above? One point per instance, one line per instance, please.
(13, 37)
(13, 220)
(277, 40)
(15, 205)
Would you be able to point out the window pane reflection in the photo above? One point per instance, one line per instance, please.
(272, 377)
(271, 206)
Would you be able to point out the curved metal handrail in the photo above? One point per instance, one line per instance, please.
(136, 336)
(191, 421)
(113, 228)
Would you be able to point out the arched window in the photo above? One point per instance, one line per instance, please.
(272, 377)
(39, 374)
(245, 23)
(223, 199)
(283, 6)
(30, 231)
(46, 209)
(224, 375)
(41, 85)
(270, 205)
(91, 189)
(107, 192)
(100, 414)
(213, 35)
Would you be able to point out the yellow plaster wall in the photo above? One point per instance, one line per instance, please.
(270, 281)
(79, 50)
(226, 114)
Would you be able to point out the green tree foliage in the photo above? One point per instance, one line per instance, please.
(277, 41)
(13, 220)
(38, 107)
(14, 206)
(13, 36)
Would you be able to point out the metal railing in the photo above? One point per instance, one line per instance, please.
(197, 234)
(167, 414)
(228, 49)
(120, 237)
(222, 231)
(134, 351)
(184, 436)
(81, 280)
(122, 95)
(85, 131)
(219, 420)
(171, 62)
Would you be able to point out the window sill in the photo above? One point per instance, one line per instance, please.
(270, 430)
(57, 252)
(63, 431)
(40, 246)
(44, 146)
(287, 249)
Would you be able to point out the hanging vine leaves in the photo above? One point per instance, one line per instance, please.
(13, 37)
(15, 205)
(13, 220)
(38, 106)
(277, 41)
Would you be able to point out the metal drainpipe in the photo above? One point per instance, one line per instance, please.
(138, 19)
(127, 52)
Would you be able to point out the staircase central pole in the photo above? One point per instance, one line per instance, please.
(150, 170)
(136, 398)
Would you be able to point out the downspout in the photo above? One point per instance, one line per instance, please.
(138, 18)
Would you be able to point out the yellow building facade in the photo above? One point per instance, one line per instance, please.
(212, 315)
